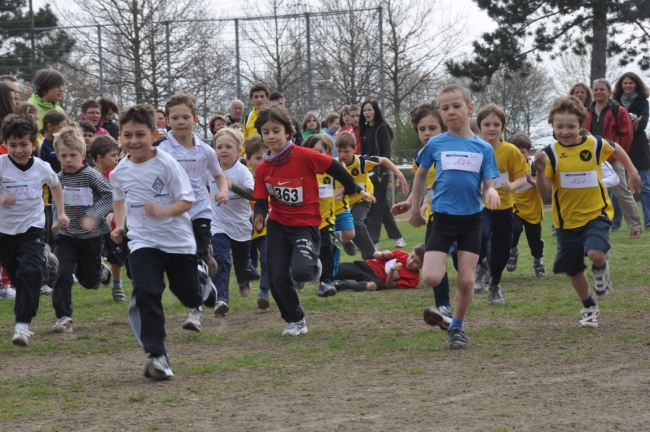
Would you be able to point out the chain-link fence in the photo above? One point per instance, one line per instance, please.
(319, 61)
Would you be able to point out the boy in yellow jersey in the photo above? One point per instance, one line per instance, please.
(571, 169)
(359, 167)
(497, 224)
(255, 149)
(528, 213)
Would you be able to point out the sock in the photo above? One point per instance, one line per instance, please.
(264, 291)
(537, 261)
(356, 286)
(117, 284)
(485, 265)
(590, 302)
(594, 267)
(456, 323)
(23, 326)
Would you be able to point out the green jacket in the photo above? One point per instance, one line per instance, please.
(43, 107)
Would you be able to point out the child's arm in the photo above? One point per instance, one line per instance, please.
(57, 196)
(514, 185)
(100, 208)
(174, 209)
(490, 195)
(385, 254)
(242, 191)
(221, 197)
(390, 283)
(419, 182)
(119, 215)
(634, 182)
(531, 180)
(543, 182)
(391, 166)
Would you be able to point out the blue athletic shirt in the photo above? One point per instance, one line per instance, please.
(462, 164)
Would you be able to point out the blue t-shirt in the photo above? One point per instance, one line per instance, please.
(462, 164)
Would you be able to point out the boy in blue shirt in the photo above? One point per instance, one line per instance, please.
(463, 161)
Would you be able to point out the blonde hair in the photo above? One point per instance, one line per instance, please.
(324, 139)
(238, 136)
(70, 137)
(457, 88)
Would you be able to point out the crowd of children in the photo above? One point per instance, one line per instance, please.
(181, 213)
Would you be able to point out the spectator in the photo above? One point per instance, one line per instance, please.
(216, 123)
(13, 82)
(583, 93)
(235, 112)
(259, 95)
(49, 92)
(108, 111)
(278, 98)
(91, 111)
(6, 100)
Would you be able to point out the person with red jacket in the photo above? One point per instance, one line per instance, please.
(610, 120)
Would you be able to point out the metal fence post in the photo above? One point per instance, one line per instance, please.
(381, 57)
(101, 61)
(32, 38)
(310, 90)
(169, 62)
(238, 59)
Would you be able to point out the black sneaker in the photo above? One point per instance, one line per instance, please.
(326, 290)
(340, 285)
(107, 276)
(540, 271)
(512, 262)
(457, 338)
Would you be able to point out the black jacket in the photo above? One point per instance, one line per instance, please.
(377, 142)
(639, 150)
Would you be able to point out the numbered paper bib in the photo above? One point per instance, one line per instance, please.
(287, 191)
(193, 167)
(22, 191)
(499, 181)
(462, 161)
(389, 265)
(581, 180)
(77, 196)
(137, 217)
(524, 187)
(325, 191)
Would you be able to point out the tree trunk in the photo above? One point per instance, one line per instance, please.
(599, 48)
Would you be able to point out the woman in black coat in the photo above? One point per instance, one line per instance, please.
(631, 92)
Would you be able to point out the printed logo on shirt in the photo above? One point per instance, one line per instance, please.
(158, 185)
(327, 180)
(354, 172)
(585, 155)
(563, 155)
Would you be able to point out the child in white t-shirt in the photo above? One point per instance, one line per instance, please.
(22, 218)
(231, 223)
(152, 191)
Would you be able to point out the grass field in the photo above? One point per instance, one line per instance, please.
(369, 362)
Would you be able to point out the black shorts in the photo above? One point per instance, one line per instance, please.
(464, 230)
(573, 244)
(203, 237)
(113, 252)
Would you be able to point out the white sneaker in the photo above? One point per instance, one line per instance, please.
(295, 328)
(479, 279)
(63, 325)
(400, 243)
(193, 321)
(7, 293)
(602, 282)
(589, 317)
(46, 290)
(244, 288)
(158, 368)
(221, 309)
(21, 337)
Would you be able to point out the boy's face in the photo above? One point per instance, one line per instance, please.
(109, 160)
(428, 127)
(55, 94)
(274, 136)
(354, 117)
(20, 149)
(413, 262)
(71, 160)
(181, 120)
(259, 99)
(136, 139)
(346, 154)
(454, 110)
(93, 115)
(88, 138)
(566, 128)
(525, 152)
(228, 150)
(255, 160)
(161, 120)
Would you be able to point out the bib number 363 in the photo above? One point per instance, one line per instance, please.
(287, 191)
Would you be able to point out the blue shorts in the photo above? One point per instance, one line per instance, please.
(573, 244)
(344, 221)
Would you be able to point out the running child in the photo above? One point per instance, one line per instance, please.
(255, 149)
(497, 225)
(387, 270)
(463, 162)
(22, 218)
(154, 194)
(570, 168)
(88, 199)
(105, 150)
(528, 212)
(288, 175)
(231, 222)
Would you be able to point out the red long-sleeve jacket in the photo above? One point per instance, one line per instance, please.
(618, 130)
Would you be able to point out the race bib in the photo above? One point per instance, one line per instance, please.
(137, 217)
(325, 191)
(524, 187)
(499, 181)
(77, 196)
(429, 194)
(287, 191)
(193, 167)
(24, 191)
(581, 180)
(461, 161)
(389, 265)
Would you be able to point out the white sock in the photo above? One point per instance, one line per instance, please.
(22, 326)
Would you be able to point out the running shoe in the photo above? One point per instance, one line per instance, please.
(221, 309)
(21, 337)
(295, 328)
(434, 317)
(457, 338)
(263, 301)
(325, 290)
(495, 296)
(193, 321)
(602, 282)
(590, 317)
(63, 325)
(400, 243)
(512, 262)
(158, 368)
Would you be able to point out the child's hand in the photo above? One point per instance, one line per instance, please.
(7, 200)
(540, 162)
(417, 220)
(367, 197)
(423, 209)
(397, 267)
(221, 197)
(109, 218)
(403, 183)
(88, 223)
(259, 223)
(64, 221)
(634, 183)
(55, 226)
(492, 199)
(400, 208)
(117, 235)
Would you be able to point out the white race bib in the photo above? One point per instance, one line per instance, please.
(23, 191)
(287, 191)
(193, 167)
(325, 191)
(77, 196)
(389, 265)
(524, 187)
(461, 161)
(580, 180)
(499, 181)
(137, 217)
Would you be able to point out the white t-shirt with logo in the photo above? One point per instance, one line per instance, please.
(233, 219)
(195, 162)
(27, 187)
(162, 181)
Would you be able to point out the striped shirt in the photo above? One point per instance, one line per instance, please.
(85, 193)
